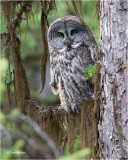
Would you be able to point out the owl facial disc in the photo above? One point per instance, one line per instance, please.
(65, 34)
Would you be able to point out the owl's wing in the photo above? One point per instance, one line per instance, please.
(54, 71)
(91, 43)
(93, 50)
(85, 57)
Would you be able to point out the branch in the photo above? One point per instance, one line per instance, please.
(37, 145)
(25, 8)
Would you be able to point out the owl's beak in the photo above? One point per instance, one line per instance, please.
(69, 42)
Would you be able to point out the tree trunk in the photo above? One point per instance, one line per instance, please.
(113, 124)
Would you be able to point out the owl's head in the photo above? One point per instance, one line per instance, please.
(67, 33)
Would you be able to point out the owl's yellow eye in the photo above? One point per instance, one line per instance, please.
(73, 32)
(61, 35)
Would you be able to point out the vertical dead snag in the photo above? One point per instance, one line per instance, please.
(88, 126)
(70, 122)
(65, 128)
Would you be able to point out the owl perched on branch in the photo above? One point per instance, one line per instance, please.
(72, 47)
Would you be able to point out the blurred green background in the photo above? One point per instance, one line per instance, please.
(31, 46)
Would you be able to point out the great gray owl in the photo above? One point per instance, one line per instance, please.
(72, 47)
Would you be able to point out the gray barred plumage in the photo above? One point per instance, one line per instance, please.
(72, 47)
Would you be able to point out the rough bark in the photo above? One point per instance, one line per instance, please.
(113, 125)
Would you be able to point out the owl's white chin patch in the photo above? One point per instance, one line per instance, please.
(72, 46)
(63, 49)
(76, 45)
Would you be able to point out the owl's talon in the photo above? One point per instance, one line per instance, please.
(60, 106)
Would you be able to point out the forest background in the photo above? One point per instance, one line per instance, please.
(31, 47)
